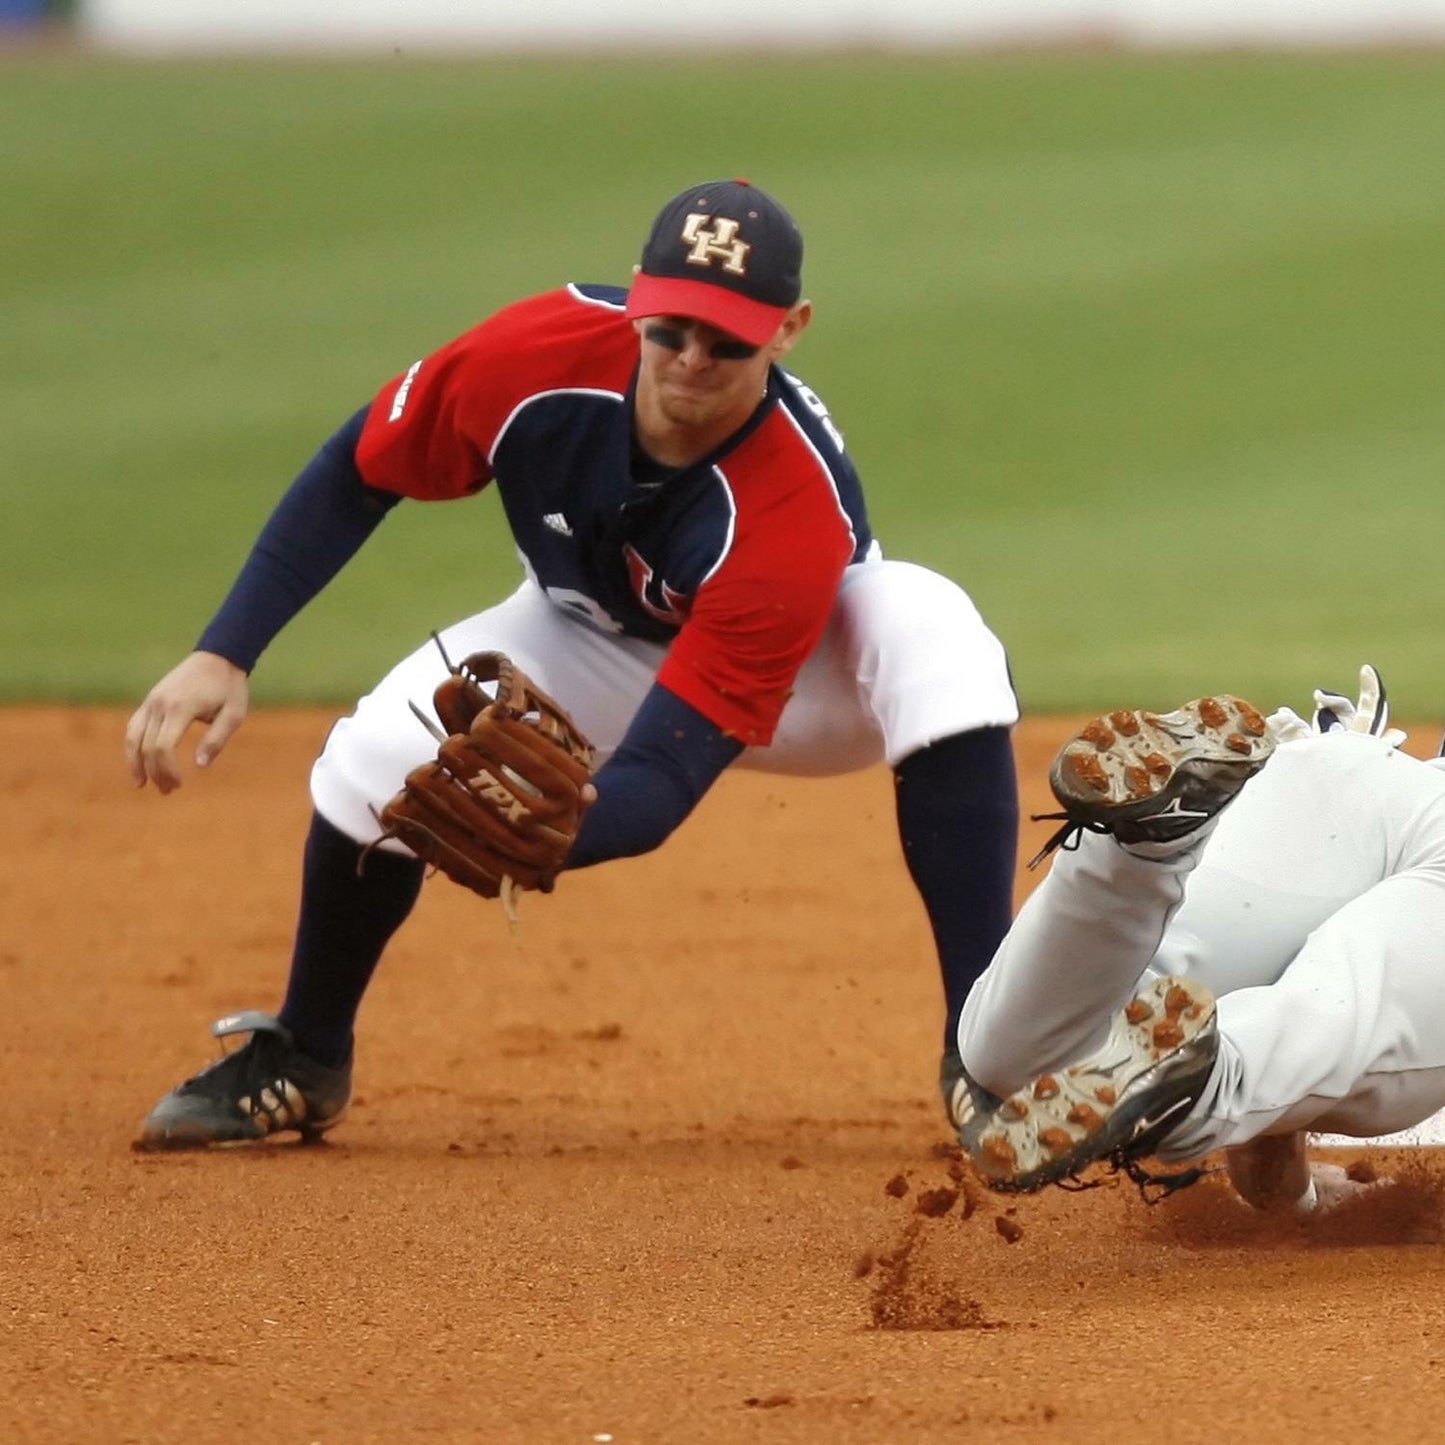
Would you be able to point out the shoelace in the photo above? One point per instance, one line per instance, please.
(1067, 837)
(1166, 1184)
(249, 1069)
(260, 1073)
(1143, 1179)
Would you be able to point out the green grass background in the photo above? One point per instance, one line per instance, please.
(1145, 351)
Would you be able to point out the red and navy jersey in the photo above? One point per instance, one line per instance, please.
(734, 561)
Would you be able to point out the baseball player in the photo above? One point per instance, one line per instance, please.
(702, 589)
(1240, 942)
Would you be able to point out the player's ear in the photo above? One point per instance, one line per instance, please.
(794, 324)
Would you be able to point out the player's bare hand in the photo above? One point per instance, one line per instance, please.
(204, 688)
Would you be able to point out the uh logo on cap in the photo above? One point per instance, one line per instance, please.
(719, 241)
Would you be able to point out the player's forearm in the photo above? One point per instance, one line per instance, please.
(669, 758)
(317, 527)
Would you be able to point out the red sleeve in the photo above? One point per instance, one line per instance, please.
(431, 431)
(757, 619)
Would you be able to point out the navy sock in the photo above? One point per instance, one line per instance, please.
(347, 919)
(958, 819)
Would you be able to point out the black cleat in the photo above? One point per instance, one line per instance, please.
(266, 1087)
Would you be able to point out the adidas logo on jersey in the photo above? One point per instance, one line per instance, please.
(557, 522)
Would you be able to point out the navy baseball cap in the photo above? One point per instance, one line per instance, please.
(725, 253)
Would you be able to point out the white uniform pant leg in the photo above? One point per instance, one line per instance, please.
(599, 678)
(1324, 822)
(1350, 1040)
(905, 661)
(1318, 915)
(1077, 951)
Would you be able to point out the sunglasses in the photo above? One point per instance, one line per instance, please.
(674, 338)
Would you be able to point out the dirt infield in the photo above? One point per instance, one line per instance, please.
(666, 1166)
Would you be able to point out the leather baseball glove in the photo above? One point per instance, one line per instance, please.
(500, 807)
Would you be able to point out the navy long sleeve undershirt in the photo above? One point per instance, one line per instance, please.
(669, 757)
(317, 527)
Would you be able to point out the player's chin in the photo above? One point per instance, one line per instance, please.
(690, 407)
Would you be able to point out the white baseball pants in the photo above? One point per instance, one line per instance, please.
(1314, 910)
(906, 660)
